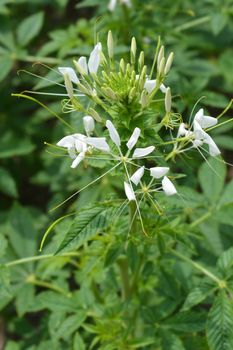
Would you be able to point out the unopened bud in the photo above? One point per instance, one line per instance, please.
(81, 65)
(109, 93)
(169, 63)
(94, 114)
(69, 86)
(85, 90)
(89, 124)
(110, 44)
(161, 66)
(133, 50)
(168, 100)
(122, 66)
(160, 56)
(132, 94)
(142, 78)
(144, 99)
(128, 70)
(141, 61)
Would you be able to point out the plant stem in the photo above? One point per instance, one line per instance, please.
(32, 280)
(197, 266)
(194, 23)
(49, 60)
(38, 257)
(201, 219)
(124, 272)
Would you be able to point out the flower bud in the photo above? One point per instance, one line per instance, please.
(69, 86)
(169, 63)
(109, 93)
(133, 50)
(132, 94)
(144, 99)
(85, 90)
(81, 65)
(168, 100)
(160, 56)
(161, 66)
(122, 66)
(89, 124)
(141, 61)
(110, 44)
(94, 114)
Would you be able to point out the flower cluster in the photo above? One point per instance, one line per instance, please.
(121, 97)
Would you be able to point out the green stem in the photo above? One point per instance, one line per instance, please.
(32, 280)
(49, 60)
(38, 257)
(194, 23)
(124, 272)
(201, 219)
(202, 269)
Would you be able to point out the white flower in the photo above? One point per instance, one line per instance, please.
(151, 84)
(112, 4)
(142, 152)
(70, 72)
(129, 192)
(89, 124)
(113, 133)
(94, 60)
(134, 138)
(158, 172)
(168, 187)
(136, 177)
(203, 120)
(202, 136)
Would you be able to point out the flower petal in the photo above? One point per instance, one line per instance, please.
(142, 152)
(150, 85)
(112, 5)
(163, 88)
(89, 124)
(213, 148)
(136, 177)
(78, 160)
(203, 120)
(98, 143)
(70, 72)
(67, 141)
(129, 192)
(113, 133)
(168, 187)
(133, 138)
(82, 61)
(94, 60)
(158, 171)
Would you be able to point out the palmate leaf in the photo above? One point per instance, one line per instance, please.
(88, 223)
(197, 295)
(220, 323)
(225, 261)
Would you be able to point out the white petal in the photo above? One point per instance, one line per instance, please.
(213, 148)
(89, 124)
(72, 152)
(182, 130)
(70, 72)
(197, 143)
(129, 192)
(94, 60)
(78, 160)
(199, 133)
(67, 142)
(82, 61)
(136, 177)
(133, 138)
(163, 88)
(112, 5)
(142, 152)
(150, 85)
(113, 133)
(158, 171)
(168, 187)
(127, 3)
(98, 143)
(203, 120)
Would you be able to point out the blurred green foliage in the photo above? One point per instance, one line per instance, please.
(43, 299)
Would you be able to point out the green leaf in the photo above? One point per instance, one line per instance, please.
(78, 343)
(187, 321)
(24, 298)
(224, 141)
(69, 325)
(22, 235)
(7, 183)
(112, 255)
(225, 261)
(171, 341)
(212, 176)
(225, 215)
(3, 245)
(220, 323)
(6, 63)
(210, 230)
(197, 295)
(218, 22)
(12, 146)
(88, 223)
(5, 288)
(29, 28)
(227, 196)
